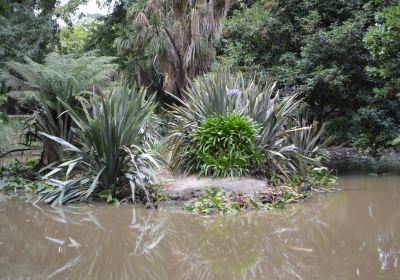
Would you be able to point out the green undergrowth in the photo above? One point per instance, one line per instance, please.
(19, 177)
(321, 177)
(216, 201)
(225, 146)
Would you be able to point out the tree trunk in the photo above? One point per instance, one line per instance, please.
(49, 153)
(190, 35)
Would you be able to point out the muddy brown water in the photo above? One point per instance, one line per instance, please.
(350, 234)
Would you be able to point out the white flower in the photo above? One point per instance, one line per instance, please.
(233, 92)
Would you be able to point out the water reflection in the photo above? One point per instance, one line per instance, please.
(346, 235)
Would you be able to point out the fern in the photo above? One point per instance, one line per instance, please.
(60, 78)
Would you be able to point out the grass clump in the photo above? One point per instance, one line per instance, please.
(224, 146)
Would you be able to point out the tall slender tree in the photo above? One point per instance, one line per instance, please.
(178, 36)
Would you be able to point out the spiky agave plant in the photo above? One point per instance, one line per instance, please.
(309, 149)
(113, 137)
(222, 93)
(274, 114)
(207, 95)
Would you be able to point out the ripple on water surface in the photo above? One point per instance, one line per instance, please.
(351, 234)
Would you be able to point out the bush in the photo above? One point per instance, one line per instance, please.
(288, 146)
(224, 146)
(113, 151)
(223, 93)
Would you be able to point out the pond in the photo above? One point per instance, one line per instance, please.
(349, 234)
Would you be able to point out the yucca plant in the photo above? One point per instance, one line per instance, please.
(212, 94)
(223, 93)
(309, 148)
(274, 114)
(113, 136)
(60, 78)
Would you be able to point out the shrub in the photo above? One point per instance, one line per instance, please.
(112, 149)
(223, 93)
(206, 96)
(224, 146)
(287, 145)
(310, 151)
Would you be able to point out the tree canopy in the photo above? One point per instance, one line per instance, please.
(340, 57)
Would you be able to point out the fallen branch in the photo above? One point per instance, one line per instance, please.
(18, 150)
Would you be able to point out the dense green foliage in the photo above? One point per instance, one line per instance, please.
(59, 79)
(341, 57)
(105, 32)
(27, 28)
(334, 61)
(111, 132)
(380, 119)
(382, 42)
(317, 48)
(225, 146)
(73, 39)
(278, 131)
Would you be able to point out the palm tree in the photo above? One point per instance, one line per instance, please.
(59, 78)
(179, 35)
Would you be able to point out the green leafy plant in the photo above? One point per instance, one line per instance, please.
(321, 177)
(59, 79)
(113, 137)
(224, 146)
(288, 196)
(309, 151)
(223, 93)
(213, 201)
(19, 177)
